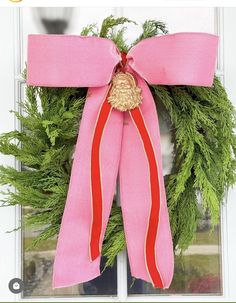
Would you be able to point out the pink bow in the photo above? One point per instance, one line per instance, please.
(111, 141)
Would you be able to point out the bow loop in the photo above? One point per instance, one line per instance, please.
(176, 59)
(70, 61)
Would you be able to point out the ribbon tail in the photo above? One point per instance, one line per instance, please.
(150, 257)
(143, 198)
(72, 263)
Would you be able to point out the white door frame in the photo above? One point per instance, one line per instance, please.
(10, 249)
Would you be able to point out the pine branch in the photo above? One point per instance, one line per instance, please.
(110, 22)
(152, 28)
(90, 30)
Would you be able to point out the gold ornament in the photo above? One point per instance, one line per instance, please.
(124, 94)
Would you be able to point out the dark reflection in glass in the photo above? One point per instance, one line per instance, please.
(54, 26)
(55, 20)
(37, 271)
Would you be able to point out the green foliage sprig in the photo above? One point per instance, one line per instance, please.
(202, 121)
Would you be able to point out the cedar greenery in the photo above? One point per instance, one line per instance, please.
(202, 121)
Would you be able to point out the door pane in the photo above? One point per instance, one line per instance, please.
(198, 271)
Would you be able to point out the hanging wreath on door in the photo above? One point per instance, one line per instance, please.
(202, 122)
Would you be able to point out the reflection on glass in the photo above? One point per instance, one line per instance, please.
(197, 271)
(37, 273)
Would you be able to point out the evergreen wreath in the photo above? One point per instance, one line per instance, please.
(202, 121)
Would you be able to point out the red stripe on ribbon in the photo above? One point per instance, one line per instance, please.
(155, 199)
(96, 184)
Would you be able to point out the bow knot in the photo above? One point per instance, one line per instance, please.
(123, 61)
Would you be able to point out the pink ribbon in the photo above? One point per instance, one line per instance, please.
(74, 61)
